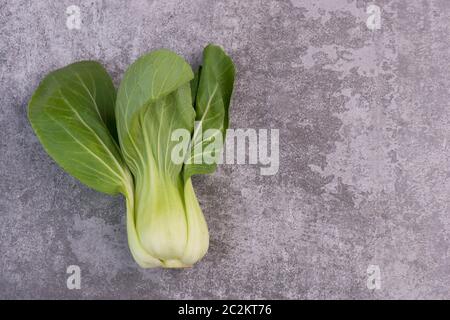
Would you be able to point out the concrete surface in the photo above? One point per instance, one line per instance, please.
(364, 153)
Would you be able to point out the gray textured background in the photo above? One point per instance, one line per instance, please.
(364, 151)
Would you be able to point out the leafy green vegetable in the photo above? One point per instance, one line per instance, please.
(81, 123)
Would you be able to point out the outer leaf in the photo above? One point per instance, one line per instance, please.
(213, 97)
(148, 94)
(69, 112)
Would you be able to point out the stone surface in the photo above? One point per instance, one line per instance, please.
(364, 155)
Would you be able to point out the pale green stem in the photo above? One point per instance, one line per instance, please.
(142, 257)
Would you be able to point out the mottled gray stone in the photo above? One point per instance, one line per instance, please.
(364, 155)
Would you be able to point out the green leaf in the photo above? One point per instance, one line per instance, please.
(72, 113)
(152, 101)
(213, 97)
